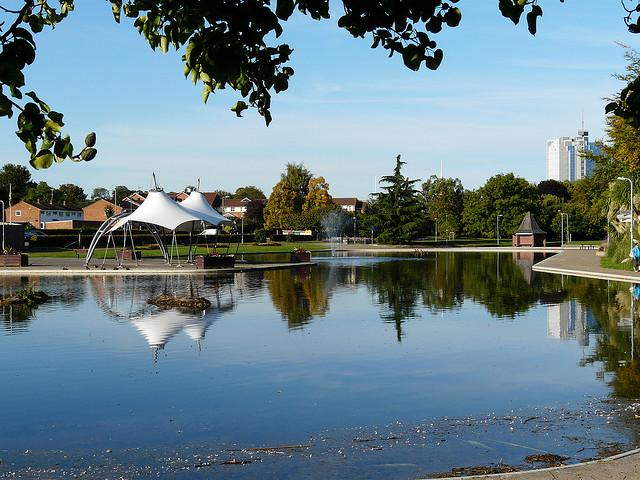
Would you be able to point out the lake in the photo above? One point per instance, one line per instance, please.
(359, 367)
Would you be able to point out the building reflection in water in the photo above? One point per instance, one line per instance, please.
(124, 299)
(570, 320)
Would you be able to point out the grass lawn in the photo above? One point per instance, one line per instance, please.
(607, 262)
(284, 247)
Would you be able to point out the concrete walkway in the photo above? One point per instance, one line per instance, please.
(49, 266)
(583, 263)
(620, 467)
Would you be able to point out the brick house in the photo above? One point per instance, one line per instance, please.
(238, 207)
(350, 205)
(95, 211)
(38, 214)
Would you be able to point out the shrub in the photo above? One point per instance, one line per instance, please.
(260, 235)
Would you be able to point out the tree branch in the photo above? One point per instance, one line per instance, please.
(28, 5)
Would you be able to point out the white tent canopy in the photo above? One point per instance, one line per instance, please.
(197, 203)
(159, 209)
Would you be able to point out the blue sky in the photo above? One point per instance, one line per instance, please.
(497, 97)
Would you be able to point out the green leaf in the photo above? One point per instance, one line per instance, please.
(453, 17)
(412, 57)
(56, 117)
(44, 159)
(58, 149)
(116, 8)
(434, 62)
(6, 107)
(206, 91)
(164, 44)
(532, 18)
(239, 107)
(284, 9)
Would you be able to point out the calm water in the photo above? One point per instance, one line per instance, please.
(388, 367)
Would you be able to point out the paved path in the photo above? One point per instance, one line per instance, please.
(583, 263)
(50, 266)
(621, 467)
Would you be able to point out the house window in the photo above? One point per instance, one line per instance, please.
(18, 213)
(68, 214)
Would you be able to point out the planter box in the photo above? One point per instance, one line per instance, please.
(297, 257)
(215, 261)
(128, 255)
(14, 260)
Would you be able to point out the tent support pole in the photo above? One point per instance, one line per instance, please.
(133, 247)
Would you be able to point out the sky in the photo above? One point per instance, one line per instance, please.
(499, 94)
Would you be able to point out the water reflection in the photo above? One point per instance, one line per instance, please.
(124, 299)
(401, 340)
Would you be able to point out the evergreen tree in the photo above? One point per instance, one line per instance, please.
(399, 209)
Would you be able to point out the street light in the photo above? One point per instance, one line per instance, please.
(436, 220)
(630, 207)
(498, 217)
(561, 227)
(3, 221)
(568, 234)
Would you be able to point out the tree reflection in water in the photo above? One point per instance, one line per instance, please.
(301, 294)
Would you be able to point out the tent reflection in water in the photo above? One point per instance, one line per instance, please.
(157, 214)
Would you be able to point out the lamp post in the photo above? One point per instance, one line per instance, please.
(436, 229)
(567, 232)
(630, 207)
(3, 221)
(498, 217)
(242, 229)
(561, 228)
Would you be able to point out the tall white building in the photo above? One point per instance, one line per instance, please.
(566, 159)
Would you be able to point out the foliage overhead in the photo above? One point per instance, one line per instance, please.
(235, 44)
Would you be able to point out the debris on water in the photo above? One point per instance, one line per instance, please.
(277, 448)
(549, 459)
(165, 300)
(234, 461)
(477, 470)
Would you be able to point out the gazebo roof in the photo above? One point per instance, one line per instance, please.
(529, 226)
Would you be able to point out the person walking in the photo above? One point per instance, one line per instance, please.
(635, 256)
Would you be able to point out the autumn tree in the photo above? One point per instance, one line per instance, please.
(296, 176)
(317, 197)
(280, 207)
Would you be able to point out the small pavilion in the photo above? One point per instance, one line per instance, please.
(529, 233)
